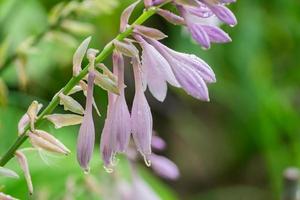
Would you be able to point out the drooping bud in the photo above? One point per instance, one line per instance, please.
(126, 15)
(25, 168)
(62, 120)
(8, 173)
(76, 27)
(79, 55)
(86, 137)
(141, 117)
(70, 104)
(149, 32)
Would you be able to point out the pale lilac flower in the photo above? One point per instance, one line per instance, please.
(116, 131)
(156, 70)
(141, 118)
(86, 137)
(164, 167)
(191, 72)
(221, 11)
(203, 34)
(107, 144)
(121, 116)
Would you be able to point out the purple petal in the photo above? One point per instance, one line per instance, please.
(86, 137)
(158, 143)
(121, 116)
(141, 118)
(189, 77)
(199, 34)
(216, 34)
(224, 14)
(156, 71)
(164, 167)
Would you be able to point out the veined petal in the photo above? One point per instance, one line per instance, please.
(216, 34)
(141, 118)
(156, 70)
(120, 113)
(224, 14)
(189, 77)
(86, 137)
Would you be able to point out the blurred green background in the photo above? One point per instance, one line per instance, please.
(235, 147)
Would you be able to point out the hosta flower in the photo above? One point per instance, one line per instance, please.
(141, 118)
(221, 11)
(156, 70)
(86, 137)
(116, 131)
(201, 32)
(191, 72)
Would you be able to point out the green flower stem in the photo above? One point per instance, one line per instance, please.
(108, 49)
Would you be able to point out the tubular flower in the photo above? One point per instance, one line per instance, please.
(116, 132)
(191, 72)
(86, 137)
(156, 70)
(141, 117)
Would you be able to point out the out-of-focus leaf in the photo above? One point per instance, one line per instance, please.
(3, 51)
(62, 38)
(3, 93)
(76, 27)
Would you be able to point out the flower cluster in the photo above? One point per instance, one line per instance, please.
(154, 67)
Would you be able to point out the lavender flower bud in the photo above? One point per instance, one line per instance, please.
(141, 118)
(164, 167)
(158, 143)
(224, 14)
(86, 137)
